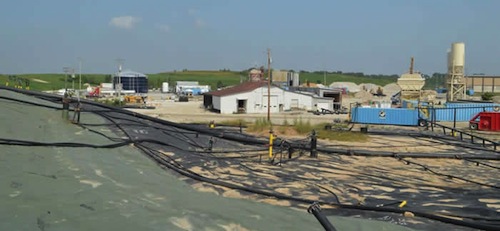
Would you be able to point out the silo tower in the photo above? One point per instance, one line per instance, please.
(455, 79)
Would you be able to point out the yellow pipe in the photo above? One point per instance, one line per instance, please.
(402, 204)
(271, 138)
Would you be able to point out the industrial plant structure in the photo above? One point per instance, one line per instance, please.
(130, 81)
(411, 84)
(455, 79)
(483, 83)
(285, 78)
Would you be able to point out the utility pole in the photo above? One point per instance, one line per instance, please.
(324, 77)
(80, 73)
(268, 84)
(72, 79)
(66, 71)
(120, 63)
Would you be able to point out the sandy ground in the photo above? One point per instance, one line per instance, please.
(193, 112)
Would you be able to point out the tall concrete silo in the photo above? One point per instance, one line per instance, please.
(456, 79)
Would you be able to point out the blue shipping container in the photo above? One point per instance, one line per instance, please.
(413, 104)
(388, 116)
(464, 111)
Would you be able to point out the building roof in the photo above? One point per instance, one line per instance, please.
(130, 74)
(244, 87)
(187, 83)
(482, 76)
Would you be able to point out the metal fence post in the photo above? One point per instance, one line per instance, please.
(454, 117)
(314, 151)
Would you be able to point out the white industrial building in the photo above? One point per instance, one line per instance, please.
(252, 97)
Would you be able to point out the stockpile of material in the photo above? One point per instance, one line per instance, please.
(363, 96)
(391, 89)
(369, 87)
(351, 87)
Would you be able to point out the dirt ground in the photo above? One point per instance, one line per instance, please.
(193, 112)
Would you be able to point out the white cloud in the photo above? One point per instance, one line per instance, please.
(163, 27)
(124, 22)
(200, 23)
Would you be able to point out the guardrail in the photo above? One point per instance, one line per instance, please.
(463, 135)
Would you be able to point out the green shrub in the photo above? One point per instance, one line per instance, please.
(487, 96)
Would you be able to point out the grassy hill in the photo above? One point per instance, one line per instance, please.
(42, 82)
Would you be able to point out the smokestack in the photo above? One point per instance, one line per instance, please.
(411, 65)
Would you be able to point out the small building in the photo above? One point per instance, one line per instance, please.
(131, 81)
(333, 95)
(252, 97)
(483, 83)
(191, 88)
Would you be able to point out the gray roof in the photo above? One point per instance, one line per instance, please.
(130, 74)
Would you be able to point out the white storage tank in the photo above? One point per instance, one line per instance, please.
(458, 54)
(164, 87)
(293, 79)
(450, 62)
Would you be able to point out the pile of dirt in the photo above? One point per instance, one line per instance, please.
(429, 95)
(363, 96)
(350, 86)
(369, 87)
(391, 89)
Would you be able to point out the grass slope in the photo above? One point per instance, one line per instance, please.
(212, 78)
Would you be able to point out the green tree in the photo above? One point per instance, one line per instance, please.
(487, 96)
(220, 84)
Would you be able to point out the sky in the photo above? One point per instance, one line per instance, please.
(151, 36)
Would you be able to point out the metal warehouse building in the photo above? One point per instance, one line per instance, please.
(130, 80)
(483, 83)
(252, 97)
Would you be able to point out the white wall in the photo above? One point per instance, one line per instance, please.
(257, 101)
(305, 102)
(216, 102)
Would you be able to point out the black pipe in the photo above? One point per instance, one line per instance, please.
(316, 211)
